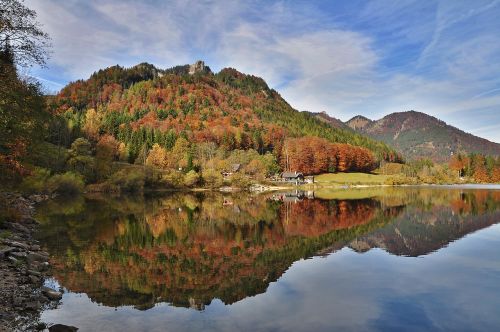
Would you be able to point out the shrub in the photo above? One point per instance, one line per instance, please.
(240, 180)
(191, 178)
(67, 183)
(84, 165)
(36, 182)
(172, 179)
(48, 156)
(212, 178)
(129, 180)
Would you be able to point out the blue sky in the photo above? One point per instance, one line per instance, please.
(342, 57)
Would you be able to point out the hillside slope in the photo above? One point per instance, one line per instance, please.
(144, 105)
(418, 135)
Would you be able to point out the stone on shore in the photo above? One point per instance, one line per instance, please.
(62, 328)
(51, 293)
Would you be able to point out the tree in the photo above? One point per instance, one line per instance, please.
(212, 178)
(81, 147)
(80, 160)
(480, 172)
(157, 157)
(123, 152)
(458, 163)
(21, 33)
(106, 151)
(92, 124)
(191, 178)
(21, 102)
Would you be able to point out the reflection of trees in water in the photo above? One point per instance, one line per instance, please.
(425, 227)
(190, 248)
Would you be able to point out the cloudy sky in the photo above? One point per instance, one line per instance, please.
(342, 57)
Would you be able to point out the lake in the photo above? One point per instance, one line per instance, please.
(374, 259)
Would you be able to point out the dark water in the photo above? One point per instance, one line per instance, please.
(362, 260)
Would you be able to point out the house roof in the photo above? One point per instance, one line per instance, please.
(235, 167)
(291, 174)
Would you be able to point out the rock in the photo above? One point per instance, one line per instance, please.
(5, 251)
(39, 266)
(18, 254)
(37, 257)
(18, 245)
(34, 279)
(51, 293)
(35, 247)
(17, 301)
(62, 328)
(38, 198)
(32, 305)
(13, 260)
(19, 227)
(41, 326)
(198, 67)
(34, 273)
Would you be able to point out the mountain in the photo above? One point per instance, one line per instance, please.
(144, 105)
(416, 233)
(418, 135)
(358, 122)
(334, 122)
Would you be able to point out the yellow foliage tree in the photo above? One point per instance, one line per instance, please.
(157, 157)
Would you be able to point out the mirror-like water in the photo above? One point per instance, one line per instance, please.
(371, 259)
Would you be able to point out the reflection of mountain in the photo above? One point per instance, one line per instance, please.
(189, 249)
(419, 231)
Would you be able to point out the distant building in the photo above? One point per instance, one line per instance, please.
(233, 169)
(292, 177)
(293, 196)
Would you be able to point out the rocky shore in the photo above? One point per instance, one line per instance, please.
(23, 267)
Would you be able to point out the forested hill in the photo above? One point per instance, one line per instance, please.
(418, 135)
(144, 105)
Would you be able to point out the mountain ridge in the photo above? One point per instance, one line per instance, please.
(420, 135)
(229, 108)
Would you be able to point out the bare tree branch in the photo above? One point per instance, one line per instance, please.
(21, 34)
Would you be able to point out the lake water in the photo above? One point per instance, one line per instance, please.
(385, 259)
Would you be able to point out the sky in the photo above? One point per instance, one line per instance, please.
(340, 57)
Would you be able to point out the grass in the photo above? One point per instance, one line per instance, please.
(5, 234)
(350, 179)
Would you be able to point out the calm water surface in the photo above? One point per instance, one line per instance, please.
(363, 260)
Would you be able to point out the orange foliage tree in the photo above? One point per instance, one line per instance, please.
(313, 155)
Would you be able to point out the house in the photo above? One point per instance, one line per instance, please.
(233, 169)
(309, 179)
(292, 177)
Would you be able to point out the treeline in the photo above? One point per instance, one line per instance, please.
(313, 155)
(482, 169)
(461, 168)
(231, 109)
(128, 129)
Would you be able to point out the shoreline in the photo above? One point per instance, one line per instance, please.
(262, 188)
(24, 267)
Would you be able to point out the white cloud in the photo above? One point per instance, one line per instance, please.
(438, 58)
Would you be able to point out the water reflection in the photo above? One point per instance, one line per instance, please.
(189, 249)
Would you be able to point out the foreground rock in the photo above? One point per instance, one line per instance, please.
(62, 328)
(23, 268)
(51, 293)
